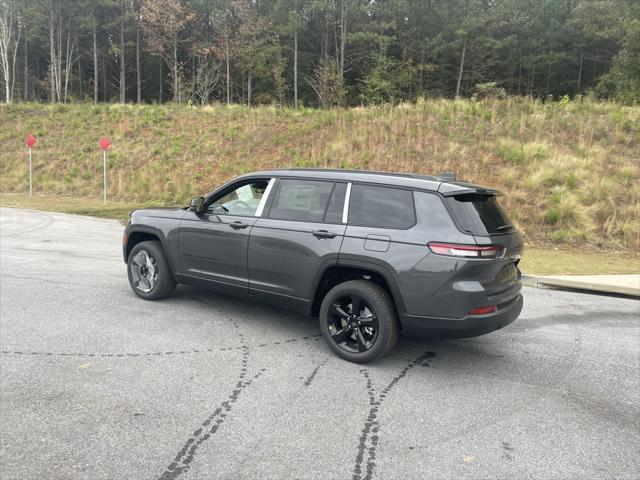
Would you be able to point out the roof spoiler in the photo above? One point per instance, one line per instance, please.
(461, 188)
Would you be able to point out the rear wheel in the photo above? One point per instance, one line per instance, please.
(358, 321)
(149, 273)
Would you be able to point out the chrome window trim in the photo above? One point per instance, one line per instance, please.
(345, 208)
(263, 200)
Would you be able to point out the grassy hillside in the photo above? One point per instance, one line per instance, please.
(570, 171)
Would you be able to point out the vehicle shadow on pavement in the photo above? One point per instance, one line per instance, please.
(237, 307)
(281, 322)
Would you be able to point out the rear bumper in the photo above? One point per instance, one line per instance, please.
(468, 326)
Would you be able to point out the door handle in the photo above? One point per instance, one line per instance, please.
(238, 225)
(324, 234)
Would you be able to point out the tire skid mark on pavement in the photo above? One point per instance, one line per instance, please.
(54, 251)
(212, 423)
(61, 282)
(310, 378)
(292, 401)
(371, 430)
(48, 221)
(152, 354)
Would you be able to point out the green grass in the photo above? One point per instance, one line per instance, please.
(570, 172)
(79, 206)
(549, 261)
(539, 261)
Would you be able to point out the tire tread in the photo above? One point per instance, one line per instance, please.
(388, 315)
(166, 283)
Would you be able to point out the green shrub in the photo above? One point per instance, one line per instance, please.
(552, 215)
(488, 90)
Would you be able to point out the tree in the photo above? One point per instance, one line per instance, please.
(61, 48)
(257, 48)
(162, 22)
(227, 16)
(622, 81)
(206, 77)
(10, 31)
(327, 84)
(382, 50)
(121, 52)
(386, 82)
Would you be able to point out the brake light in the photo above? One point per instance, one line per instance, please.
(469, 251)
(483, 310)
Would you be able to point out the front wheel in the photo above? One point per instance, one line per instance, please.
(358, 321)
(149, 273)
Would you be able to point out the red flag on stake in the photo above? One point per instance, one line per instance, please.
(29, 141)
(104, 143)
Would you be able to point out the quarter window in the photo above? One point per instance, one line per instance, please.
(301, 200)
(381, 207)
(336, 205)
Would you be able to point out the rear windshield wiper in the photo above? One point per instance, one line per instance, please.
(505, 227)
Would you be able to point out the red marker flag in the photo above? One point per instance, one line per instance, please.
(29, 141)
(104, 143)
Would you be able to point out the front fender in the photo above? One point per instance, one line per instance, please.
(168, 238)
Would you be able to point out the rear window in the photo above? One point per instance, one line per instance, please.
(381, 207)
(479, 214)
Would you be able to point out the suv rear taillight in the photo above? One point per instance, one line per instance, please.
(483, 310)
(469, 251)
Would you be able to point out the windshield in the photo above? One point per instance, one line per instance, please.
(479, 214)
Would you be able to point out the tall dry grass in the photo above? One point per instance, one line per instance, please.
(569, 171)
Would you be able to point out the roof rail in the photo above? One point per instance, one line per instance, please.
(447, 176)
(348, 170)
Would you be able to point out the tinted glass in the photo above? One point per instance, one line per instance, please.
(301, 200)
(244, 200)
(336, 205)
(432, 214)
(381, 207)
(479, 214)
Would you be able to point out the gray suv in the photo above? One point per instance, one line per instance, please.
(372, 254)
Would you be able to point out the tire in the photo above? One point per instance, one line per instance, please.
(340, 324)
(150, 280)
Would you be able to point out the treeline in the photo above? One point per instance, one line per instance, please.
(316, 52)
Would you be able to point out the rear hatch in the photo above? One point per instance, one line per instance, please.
(479, 214)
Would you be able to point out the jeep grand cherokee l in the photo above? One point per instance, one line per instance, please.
(372, 254)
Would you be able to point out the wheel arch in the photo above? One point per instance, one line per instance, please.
(143, 234)
(337, 273)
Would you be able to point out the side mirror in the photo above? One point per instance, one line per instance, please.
(197, 203)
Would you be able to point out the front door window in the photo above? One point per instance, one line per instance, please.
(242, 201)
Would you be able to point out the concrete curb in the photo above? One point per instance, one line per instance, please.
(530, 281)
(628, 285)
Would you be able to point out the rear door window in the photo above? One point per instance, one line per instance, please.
(301, 200)
(381, 207)
(479, 214)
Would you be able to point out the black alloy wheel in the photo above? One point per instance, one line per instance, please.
(358, 321)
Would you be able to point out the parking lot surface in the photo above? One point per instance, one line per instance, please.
(99, 384)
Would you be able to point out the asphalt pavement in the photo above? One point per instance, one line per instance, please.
(99, 384)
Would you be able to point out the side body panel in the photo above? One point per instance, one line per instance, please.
(426, 284)
(212, 250)
(284, 257)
